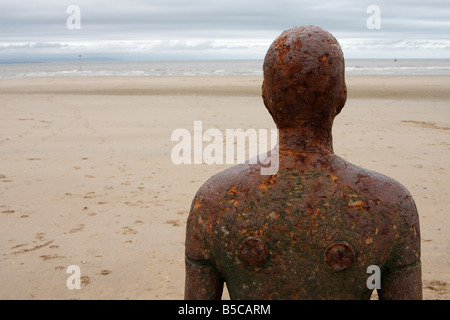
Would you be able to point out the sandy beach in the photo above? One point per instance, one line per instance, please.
(86, 176)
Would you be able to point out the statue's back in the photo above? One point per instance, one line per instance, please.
(305, 235)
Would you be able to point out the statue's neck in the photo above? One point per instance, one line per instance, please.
(306, 140)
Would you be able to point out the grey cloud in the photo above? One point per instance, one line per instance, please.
(44, 22)
(35, 45)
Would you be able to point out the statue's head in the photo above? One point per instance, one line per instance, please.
(304, 77)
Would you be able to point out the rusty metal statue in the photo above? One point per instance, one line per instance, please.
(312, 230)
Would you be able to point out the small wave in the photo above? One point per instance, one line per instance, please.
(214, 68)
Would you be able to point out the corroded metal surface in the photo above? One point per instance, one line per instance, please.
(253, 251)
(339, 256)
(311, 230)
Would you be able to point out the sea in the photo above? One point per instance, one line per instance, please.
(211, 68)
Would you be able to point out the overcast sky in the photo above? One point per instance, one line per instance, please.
(226, 29)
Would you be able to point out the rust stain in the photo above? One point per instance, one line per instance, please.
(197, 205)
(232, 191)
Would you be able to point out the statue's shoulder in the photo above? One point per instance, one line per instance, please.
(379, 189)
(205, 206)
(241, 174)
(374, 183)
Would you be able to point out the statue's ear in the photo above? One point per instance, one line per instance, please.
(264, 95)
(342, 100)
(266, 100)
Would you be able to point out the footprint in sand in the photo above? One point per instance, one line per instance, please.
(85, 280)
(105, 272)
(77, 229)
(437, 286)
(25, 250)
(128, 230)
(90, 195)
(51, 257)
(174, 223)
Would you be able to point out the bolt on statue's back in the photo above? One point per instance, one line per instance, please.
(312, 230)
